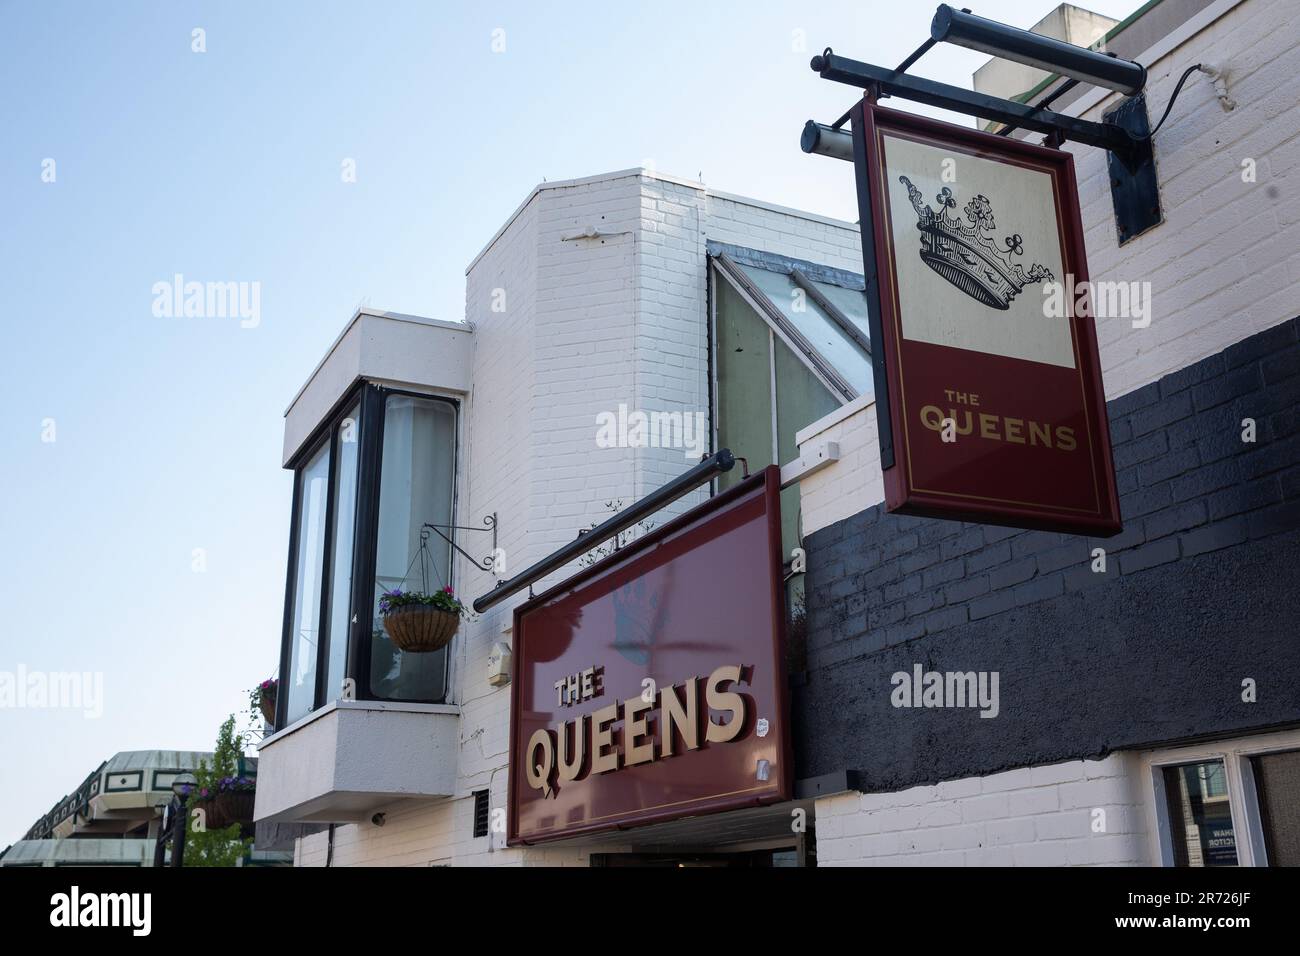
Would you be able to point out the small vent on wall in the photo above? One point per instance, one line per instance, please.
(480, 813)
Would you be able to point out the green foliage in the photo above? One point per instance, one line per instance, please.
(216, 847)
(444, 600)
(268, 689)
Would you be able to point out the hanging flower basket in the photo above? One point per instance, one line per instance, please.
(263, 698)
(230, 808)
(420, 623)
(233, 803)
(418, 628)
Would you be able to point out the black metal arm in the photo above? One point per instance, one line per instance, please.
(841, 69)
(683, 484)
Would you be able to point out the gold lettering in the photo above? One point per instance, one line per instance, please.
(680, 717)
(932, 418)
(1040, 433)
(602, 736)
(1012, 427)
(571, 764)
(1065, 439)
(718, 699)
(539, 776)
(634, 726)
(989, 426)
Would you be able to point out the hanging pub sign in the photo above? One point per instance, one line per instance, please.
(652, 685)
(988, 383)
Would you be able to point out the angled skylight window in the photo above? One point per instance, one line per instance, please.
(789, 346)
(820, 314)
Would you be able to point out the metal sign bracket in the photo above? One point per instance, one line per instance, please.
(1134, 186)
(1125, 132)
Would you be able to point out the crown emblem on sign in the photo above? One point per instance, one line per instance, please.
(966, 254)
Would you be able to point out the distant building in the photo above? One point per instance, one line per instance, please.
(113, 818)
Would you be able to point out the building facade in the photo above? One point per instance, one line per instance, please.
(112, 819)
(1135, 706)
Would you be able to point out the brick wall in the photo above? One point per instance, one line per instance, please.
(854, 482)
(1195, 598)
(1081, 813)
(1214, 278)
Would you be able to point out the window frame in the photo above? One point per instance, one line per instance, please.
(366, 541)
(371, 397)
(724, 264)
(779, 325)
(310, 449)
(1243, 795)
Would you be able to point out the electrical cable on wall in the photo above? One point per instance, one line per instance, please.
(1177, 89)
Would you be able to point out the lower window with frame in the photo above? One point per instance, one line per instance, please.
(1200, 815)
(1277, 781)
(1202, 829)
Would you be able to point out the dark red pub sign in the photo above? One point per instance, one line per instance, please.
(652, 685)
(988, 383)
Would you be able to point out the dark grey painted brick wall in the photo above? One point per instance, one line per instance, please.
(1202, 590)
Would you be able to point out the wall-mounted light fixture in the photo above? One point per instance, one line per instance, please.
(963, 28)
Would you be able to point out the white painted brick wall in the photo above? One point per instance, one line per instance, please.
(853, 483)
(1225, 263)
(1080, 813)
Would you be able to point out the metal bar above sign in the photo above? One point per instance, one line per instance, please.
(840, 69)
(717, 463)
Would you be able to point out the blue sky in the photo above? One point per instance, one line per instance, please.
(225, 166)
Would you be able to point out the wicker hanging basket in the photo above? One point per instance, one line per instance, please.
(267, 704)
(420, 628)
(232, 806)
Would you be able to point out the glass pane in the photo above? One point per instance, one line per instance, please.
(852, 302)
(1277, 778)
(313, 493)
(416, 481)
(345, 511)
(801, 399)
(821, 331)
(1200, 819)
(744, 382)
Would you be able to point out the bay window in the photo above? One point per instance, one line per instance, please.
(415, 488)
(347, 446)
(380, 468)
(304, 634)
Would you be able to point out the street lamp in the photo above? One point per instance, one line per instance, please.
(182, 785)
